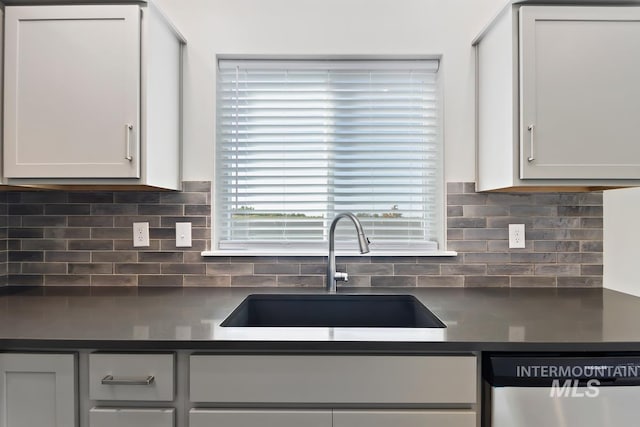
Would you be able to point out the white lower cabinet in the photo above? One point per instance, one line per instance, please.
(140, 390)
(329, 418)
(132, 389)
(404, 418)
(262, 418)
(37, 390)
(131, 417)
(313, 379)
(440, 389)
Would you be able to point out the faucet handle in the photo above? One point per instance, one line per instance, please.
(341, 277)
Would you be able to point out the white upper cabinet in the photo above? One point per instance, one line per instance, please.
(558, 98)
(92, 96)
(72, 92)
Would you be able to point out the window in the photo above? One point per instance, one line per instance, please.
(300, 141)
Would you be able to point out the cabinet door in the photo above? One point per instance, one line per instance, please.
(579, 92)
(72, 79)
(131, 417)
(259, 418)
(406, 418)
(37, 390)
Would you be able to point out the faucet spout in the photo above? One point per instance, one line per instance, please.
(334, 276)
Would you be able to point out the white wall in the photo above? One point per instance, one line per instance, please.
(330, 27)
(622, 240)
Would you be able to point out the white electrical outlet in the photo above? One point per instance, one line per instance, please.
(516, 236)
(140, 234)
(183, 234)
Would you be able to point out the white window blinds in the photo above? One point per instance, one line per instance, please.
(300, 141)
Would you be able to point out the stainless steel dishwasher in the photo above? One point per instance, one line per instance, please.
(569, 390)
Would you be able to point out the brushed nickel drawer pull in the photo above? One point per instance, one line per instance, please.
(111, 380)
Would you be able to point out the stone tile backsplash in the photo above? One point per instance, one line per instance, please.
(85, 238)
(3, 239)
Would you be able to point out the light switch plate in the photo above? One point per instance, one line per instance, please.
(183, 234)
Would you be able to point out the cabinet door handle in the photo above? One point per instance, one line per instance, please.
(128, 129)
(531, 128)
(111, 380)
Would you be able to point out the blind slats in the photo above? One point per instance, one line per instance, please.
(300, 141)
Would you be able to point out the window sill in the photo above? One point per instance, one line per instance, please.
(310, 253)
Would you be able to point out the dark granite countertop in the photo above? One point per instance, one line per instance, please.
(189, 318)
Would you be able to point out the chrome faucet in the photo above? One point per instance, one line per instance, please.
(334, 276)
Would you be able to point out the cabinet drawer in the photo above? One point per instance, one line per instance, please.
(262, 418)
(129, 417)
(434, 418)
(333, 379)
(123, 376)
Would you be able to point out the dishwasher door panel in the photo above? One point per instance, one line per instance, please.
(534, 407)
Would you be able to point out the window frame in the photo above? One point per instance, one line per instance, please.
(305, 248)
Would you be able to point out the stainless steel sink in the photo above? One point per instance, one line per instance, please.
(339, 311)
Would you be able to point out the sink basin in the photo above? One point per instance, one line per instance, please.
(338, 311)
